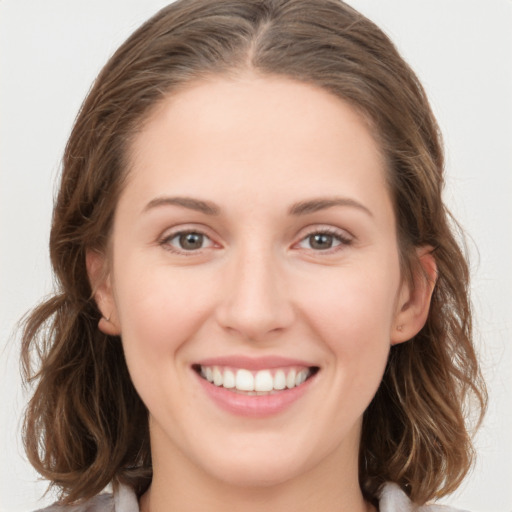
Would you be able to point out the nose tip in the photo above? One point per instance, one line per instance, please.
(255, 302)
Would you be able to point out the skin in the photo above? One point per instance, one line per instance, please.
(255, 147)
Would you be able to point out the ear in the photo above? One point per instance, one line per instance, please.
(414, 299)
(101, 285)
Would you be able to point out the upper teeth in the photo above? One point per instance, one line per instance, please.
(260, 381)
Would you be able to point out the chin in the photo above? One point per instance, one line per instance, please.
(263, 461)
(255, 474)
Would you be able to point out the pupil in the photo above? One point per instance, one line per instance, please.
(321, 241)
(191, 241)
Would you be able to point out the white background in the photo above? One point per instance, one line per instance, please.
(51, 51)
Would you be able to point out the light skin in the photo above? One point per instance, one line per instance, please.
(256, 221)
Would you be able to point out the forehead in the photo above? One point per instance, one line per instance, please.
(256, 101)
(256, 131)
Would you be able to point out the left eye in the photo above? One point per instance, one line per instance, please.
(322, 241)
(188, 241)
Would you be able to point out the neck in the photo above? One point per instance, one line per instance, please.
(163, 497)
(179, 485)
(274, 501)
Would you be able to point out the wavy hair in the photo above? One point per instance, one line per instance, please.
(85, 425)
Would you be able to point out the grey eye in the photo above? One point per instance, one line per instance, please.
(187, 242)
(321, 241)
(190, 241)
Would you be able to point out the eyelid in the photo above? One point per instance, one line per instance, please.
(342, 235)
(171, 233)
(345, 238)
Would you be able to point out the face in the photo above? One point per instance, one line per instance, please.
(254, 279)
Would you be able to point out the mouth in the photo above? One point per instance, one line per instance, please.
(262, 382)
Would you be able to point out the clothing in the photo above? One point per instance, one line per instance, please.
(392, 499)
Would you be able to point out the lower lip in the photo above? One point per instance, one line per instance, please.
(254, 406)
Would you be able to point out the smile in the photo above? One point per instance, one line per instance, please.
(261, 382)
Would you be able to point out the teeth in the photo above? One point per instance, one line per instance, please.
(244, 380)
(279, 380)
(301, 377)
(290, 380)
(263, 381)
(217, 377)
(229, 379)
(257, 383)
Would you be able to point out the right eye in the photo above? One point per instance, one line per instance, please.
(187, 241)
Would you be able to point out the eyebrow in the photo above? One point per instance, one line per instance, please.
(297, 209)
(315, 205)
(206, 207)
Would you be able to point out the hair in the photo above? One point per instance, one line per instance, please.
(85, 425)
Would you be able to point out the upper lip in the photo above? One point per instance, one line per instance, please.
(253, 363)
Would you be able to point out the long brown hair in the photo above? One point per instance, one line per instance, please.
(85, 425)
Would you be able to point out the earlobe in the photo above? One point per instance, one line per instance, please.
(101, 285)
(414, 300)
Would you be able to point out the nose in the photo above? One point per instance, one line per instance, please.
(254, 302)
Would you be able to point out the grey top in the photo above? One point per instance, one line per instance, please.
(392, 499)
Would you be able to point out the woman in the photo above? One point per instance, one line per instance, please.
(262, 302)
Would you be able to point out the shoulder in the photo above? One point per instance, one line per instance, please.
(100, 503)
(123, 500)
(393, 499)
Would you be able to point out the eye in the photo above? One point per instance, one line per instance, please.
(187, 241)
(323, 241)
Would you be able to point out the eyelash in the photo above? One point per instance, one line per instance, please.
(342, 239)
(165, 242)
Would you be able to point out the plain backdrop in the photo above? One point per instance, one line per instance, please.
(51, 51)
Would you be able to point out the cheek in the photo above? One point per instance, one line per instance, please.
(159, 310)
(357, 298)
(355, 314)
